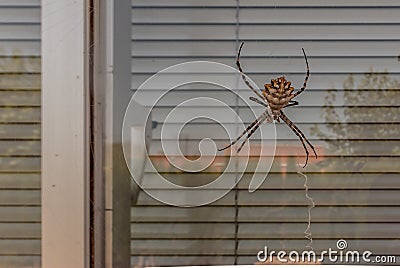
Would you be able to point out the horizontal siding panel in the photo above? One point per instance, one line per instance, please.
(20, 15)
(19, 115)
(20, 214)
(19, 131)
(20, 81)
(19, 98)
(21, 261)
(19, 197)
(20, 247)
(249, 214)
(22, 3)
(15, 32)
(263, 65)
(292, 15)
(19, 181)
(20, 66)
(20, 148)
(19, 164)
(20, 230)
(20, 48)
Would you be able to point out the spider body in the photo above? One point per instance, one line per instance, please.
(276, 96)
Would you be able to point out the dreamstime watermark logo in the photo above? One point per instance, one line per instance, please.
(225, 114)
(341, 255)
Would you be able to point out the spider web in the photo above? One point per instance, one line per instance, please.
(307, 232)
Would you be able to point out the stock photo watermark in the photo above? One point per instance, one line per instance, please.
(341, 254)
(199, 72)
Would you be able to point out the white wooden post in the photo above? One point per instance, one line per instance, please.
(70, 29)
(65, 146)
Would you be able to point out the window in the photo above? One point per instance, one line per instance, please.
(348, 112)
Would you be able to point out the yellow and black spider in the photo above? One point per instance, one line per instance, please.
(276, 96)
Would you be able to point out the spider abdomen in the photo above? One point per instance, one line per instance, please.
(278, 93)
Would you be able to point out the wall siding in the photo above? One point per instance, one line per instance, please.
(20, 146)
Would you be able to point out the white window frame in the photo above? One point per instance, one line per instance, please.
(66, 152)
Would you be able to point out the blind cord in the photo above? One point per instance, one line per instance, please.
(237, 131)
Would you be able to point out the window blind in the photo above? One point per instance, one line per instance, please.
(20, 133)
(349, 112)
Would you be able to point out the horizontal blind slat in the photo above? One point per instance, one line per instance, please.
(264, 14)
(297, 65)
(255, 32)
(266, 3)
(268, 230)
(294, 198)
(266, 214)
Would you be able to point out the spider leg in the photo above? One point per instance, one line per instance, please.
(299, 134)
(265, 105)
(258, 101)
(307, 75)
(242, 73)
(252, 132)
(244, 132)
(291, 103)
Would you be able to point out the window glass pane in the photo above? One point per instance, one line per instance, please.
(348, 112)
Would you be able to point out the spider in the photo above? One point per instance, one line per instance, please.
(276, 96)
